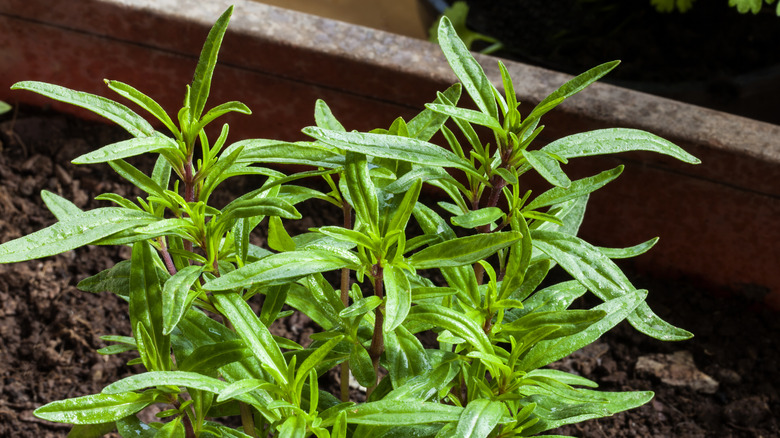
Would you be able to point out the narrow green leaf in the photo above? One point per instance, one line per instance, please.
(602, 277)
(427, 123)
(75, 231)
(402, 413)
(278, 239)
(94, 409)
(91, 430)
(280, 267)
(361, 366)
(361, 307)
(577, 188)
(253, 332)
(324, 117)
(174, 296)
(456, 322)
(223, 109)
(138, 178)
(477, 218)
(127, 148)
(548, 351)
(405, 356)
(171, 429)
(351, 236)
(467, 115)
(548, 167)
(479, 418)
(399, 297)
(361, 190)
(60, 207)
(463, 250)
(570, 88)
(165, 378)
(201, 81)
(275, 151)
(403, 211)
(240, 387)
(116, 112)
(208, 358)
(615, 140)
(144, 102)
(293, 427)
(632, 251)
(392, 147)
(467, 69)
(146, 303)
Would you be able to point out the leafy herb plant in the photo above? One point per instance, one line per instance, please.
(469, 270)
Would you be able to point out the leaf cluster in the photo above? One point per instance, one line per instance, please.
(205, 353)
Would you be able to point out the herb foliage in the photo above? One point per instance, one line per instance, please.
(193, 270)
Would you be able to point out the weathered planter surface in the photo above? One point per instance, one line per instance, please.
(717, 221)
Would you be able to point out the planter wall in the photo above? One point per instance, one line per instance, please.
(717, 221)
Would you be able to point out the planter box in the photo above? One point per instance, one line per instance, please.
(717, 221)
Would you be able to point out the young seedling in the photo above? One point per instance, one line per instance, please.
(471, 274)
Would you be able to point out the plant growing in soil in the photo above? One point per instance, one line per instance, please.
(469, 271)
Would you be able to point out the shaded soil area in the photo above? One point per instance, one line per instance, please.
(710, 55)
(723, 383)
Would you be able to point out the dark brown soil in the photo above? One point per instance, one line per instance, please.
(49, 330)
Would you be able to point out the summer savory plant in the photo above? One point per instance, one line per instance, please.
(469, 270)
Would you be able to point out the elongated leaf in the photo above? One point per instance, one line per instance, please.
(116, 112)
(631, 251)
(138, 178)
(144, 102)
(456, 322)
(615, 140)
(240, 387)
(60, 207)
(361, 307)
(427, 123)
(146, 304)
(127, 148)
(324, 117)
(577, 188)
(479, 418)
(165, 378)
(471, 116)
(402, 413)
(201, 81)
(548, 351)
(75, 231)
(91, 430)
(570, 88)
(94, 409)
(280, 267)
(477, 218)
(403, 211)
(548, 167)
(274, 151)
(208, 358)
(405, 356)
(467, 69)
(314, 359)
(362, 191)
(223, 109)
(463, 250)
(174, 297)
(602, 277)
(399, 298)
(391, 147)
(294, 427)
(361, 366)
(254, 333)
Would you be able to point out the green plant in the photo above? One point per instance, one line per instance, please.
(193, 271)
(4, 107)
(743, 6)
